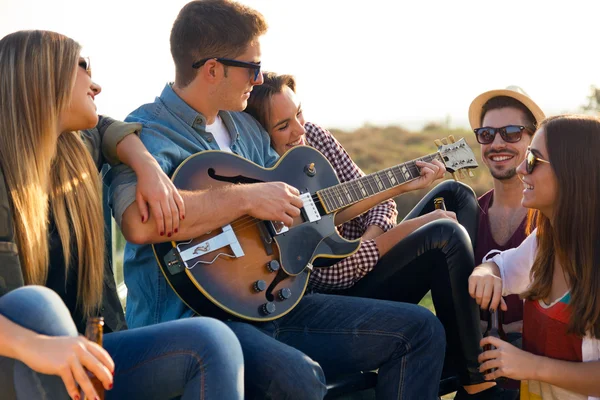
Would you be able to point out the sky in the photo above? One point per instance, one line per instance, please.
(377, 62)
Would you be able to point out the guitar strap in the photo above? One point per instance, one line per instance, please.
(11, 276)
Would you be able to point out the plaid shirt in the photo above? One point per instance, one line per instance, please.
(348, 271)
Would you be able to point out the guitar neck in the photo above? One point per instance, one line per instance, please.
(336, 197)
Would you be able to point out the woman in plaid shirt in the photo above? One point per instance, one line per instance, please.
(428, 250)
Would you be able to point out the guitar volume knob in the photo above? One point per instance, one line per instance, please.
(268, 308)
(285, 294)
(260, 286)
(273, 265)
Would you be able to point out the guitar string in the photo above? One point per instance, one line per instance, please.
(328, 194)
(248, 221)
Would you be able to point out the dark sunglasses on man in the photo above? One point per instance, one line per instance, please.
(531, 160)
(253, 67)
(509, 133)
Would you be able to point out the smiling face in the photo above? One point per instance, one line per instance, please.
(81, 111)
(286, 122)
(500, 157)
(540, 187)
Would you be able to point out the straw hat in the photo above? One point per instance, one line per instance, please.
(515, 92)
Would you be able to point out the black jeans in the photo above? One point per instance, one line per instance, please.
(437, 257)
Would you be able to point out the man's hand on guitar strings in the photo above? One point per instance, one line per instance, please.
(273, 201)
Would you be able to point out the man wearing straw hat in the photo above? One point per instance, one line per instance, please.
(504, 122)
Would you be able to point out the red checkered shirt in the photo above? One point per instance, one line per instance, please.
(347, 272)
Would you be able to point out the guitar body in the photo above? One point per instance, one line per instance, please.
(231, 278)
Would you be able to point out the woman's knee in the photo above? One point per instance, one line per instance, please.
(211, 338)
(445, 231)
(39, 309)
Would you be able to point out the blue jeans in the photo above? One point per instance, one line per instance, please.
(195, 358)
(327, 335)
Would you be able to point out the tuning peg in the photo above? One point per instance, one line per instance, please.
(445, 140)
(471, 174)
(455, 176)
(438, 142)
(451, 139)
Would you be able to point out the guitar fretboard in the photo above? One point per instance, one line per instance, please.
(339, 196)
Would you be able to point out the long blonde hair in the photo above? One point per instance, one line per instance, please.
(37, 75)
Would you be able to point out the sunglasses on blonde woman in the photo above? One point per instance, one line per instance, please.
(84, 62)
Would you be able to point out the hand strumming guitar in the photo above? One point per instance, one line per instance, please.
(274, 201)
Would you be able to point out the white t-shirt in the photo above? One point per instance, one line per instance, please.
(220, 133)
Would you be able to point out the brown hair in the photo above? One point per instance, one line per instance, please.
(572, 238)
(259, 103)
(498, 102)
(212, 28)
(37, 74)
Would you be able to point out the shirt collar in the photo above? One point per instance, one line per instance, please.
(180, 108)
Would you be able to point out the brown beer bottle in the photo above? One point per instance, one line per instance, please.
(93, 332)
(439, 204)
(494, 329)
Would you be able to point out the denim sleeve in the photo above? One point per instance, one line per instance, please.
(270, 156)
(122, 179)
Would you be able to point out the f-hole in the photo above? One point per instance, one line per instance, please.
(232, 179)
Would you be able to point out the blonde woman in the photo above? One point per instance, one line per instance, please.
(52, 184)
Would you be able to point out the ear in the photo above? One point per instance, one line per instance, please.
(211, 71)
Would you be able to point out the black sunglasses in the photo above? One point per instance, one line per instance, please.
(509, 133)
(84, 62)
(231, 63)
(531, 160)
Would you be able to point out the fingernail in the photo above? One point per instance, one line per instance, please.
(162, 234)
(169, 234)
(76, 397)
(110, 387)
(143, 220)
(183, 217)
(176, 230)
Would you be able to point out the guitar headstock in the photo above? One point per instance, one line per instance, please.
(457, 155)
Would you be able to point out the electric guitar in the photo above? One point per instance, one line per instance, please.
(258, 270)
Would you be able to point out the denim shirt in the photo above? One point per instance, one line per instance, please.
(172, 131)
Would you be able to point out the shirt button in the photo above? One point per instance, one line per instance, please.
(209, 139)
(198, 120)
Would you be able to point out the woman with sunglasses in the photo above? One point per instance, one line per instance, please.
(428, 250)
(53, 188)
(555, 269)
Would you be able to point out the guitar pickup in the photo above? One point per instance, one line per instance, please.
(310, 208)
